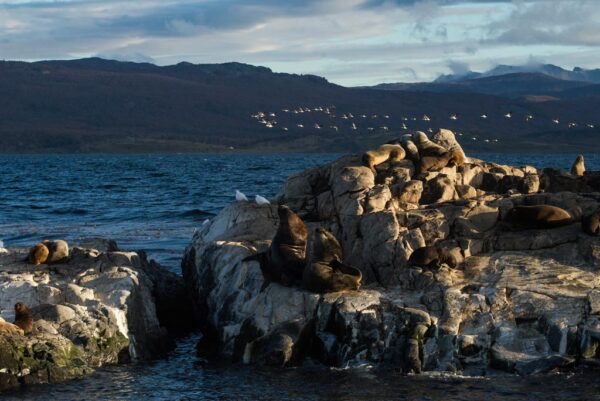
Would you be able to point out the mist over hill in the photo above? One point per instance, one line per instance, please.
(97, 105)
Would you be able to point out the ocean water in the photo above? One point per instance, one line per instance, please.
(154, 203)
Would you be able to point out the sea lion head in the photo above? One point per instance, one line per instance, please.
(21, 309)
(579, 159)
(326, 247)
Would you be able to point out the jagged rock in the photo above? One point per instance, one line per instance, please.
(522, 301)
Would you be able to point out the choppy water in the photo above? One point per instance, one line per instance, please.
(154, 203)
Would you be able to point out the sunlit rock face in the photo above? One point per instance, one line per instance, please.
(93, 309)
(520, 300)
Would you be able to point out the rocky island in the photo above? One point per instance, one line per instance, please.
(507, 297)
(101, 306)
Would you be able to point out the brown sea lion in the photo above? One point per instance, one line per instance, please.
(38, 254)
(325, 271)
(578, 167)
(426, 146)
(435, 163)
(10, 328)
(433, 257)
(392, 152)
(59, 250)
(285, 259)
(23, 317)
(590, 224)
(538, 216)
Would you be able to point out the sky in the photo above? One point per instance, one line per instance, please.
(349, 42)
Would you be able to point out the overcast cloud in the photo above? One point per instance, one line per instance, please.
(350, 42)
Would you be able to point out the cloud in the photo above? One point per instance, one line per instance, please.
(351, 42)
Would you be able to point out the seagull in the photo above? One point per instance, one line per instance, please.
(285, 128)
(529, 117)
(240, 197)
(556, 121)
(474, 138)
(271, 114)
(385, 128)
(508, 115)
(299, 125)
(572, 125)
(426, 117)
(370, 128)
(285, 110)
(354, 126)
(386, 116)
(317, 126)
(453, 117)
(205, 222)
(404, 126)
(430, 130)
(590, 125)
(261, 200)
(487, 140)
(334, 127)
(484, 116)
(364, 116)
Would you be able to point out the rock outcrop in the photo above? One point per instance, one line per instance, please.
(523, 301)
(93, 309)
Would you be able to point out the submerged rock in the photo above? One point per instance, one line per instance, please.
(95, 308)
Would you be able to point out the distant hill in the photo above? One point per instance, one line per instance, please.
(577, 74)
(97, 105)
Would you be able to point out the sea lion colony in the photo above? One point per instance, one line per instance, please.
(45, 252)
(323, 270)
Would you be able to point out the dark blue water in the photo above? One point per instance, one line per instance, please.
(154, 203)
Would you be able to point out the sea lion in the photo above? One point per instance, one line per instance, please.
(59, 250)
(412, 151)
(452, 157)
(285, 259)
(538, 216)
(393, 152)
(325, 271)
(590, 224)
(9, 328)
(23, 317)
(426, 146)
(433, 257)
(578, 167)
(38, 254)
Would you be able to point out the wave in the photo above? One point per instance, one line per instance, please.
(70, 210)
(196, 213)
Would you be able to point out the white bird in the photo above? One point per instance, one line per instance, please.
(404, 126)
(386, 116)
(508, 115)
(364, 116)
(474, 138)
(2, 248)
(430, 130)
(261, 200)
(370, 128)
(285, 110)
(240, 197)
(317, 126)
(334, 127)
(426, 117)
(556, 121)
(590, 125)
(271, 114)
(484, 116)
(529, 117)
(572, 125)
(205, 222)
(354, 126)
(285, 128)
(299, 125)
(385, 128)
(453, 117)
(487, 140)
